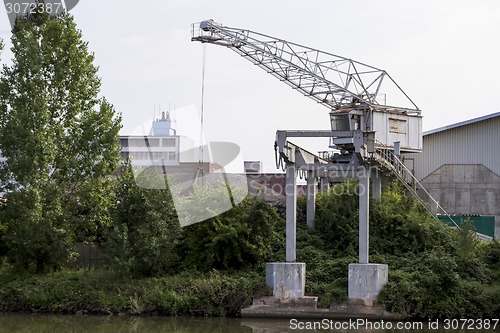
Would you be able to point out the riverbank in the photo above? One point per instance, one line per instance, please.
(99, 291)
(219, 294)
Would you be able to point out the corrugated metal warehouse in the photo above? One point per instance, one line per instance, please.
(460, 167)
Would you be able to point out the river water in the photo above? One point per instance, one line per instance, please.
(99, 324)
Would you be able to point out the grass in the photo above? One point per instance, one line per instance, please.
(98, 291)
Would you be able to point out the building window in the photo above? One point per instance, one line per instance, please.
(152, 142)
(124, 142)
(168, 142)
(136, 142)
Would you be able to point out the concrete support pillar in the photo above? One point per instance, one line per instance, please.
(311, 198)
(291, 212)
(288, 280)
(376, 183)
(365, 282)
(364, 202)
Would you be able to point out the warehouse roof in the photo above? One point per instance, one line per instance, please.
(463, 123)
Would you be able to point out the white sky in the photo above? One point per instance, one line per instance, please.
(445, 54)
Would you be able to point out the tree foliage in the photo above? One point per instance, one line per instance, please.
(145, 229)
(36, 239)
(244, 236)
(337, 218)
(398, 225)
(58, 138)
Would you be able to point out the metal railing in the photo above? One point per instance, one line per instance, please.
(392, 162)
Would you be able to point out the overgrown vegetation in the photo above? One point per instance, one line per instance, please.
(447, 277)
(145, 230)
(245, 236)
(103, 292)
(434, 271)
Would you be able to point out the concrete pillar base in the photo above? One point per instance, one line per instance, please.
(365, 282)
(288, 279)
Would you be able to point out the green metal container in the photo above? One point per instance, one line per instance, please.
(484, 224)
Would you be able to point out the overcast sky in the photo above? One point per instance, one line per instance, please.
(443, 53)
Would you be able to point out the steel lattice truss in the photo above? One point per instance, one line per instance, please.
(336, 82)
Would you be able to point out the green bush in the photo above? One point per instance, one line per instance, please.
(468, 253)
(37, 235)
(3, 246)
(103, 292)
(491, 254)
(145, 228)
(435, 271)
(491, 258)
(400, 225)
(435, 285)
(337, 219)
(242, 237)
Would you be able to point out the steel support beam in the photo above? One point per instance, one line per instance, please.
(311, 199)
(376, 183)
(324, 184)
(317, 134)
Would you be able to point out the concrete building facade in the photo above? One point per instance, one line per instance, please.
(160, 147)
(460, 167)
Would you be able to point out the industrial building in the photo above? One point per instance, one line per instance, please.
(460, 167)
(161, 146)
(164, 148)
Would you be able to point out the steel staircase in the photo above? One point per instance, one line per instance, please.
(391, 162)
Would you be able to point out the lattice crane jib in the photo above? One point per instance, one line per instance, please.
(358, 95)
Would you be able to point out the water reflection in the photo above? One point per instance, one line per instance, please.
(97, 324)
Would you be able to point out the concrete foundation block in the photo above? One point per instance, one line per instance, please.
(309, 302)
(288, 280)
(365, 282)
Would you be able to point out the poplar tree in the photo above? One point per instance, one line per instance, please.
(58, 141)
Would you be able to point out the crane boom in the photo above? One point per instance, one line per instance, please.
(339, 83)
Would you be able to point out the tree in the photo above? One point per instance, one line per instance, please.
(337, 218)
(398, 224)
(145, 227)
(3, 247)
(242, 237)
(58, 140)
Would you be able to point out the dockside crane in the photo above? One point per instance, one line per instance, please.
(372, 122)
